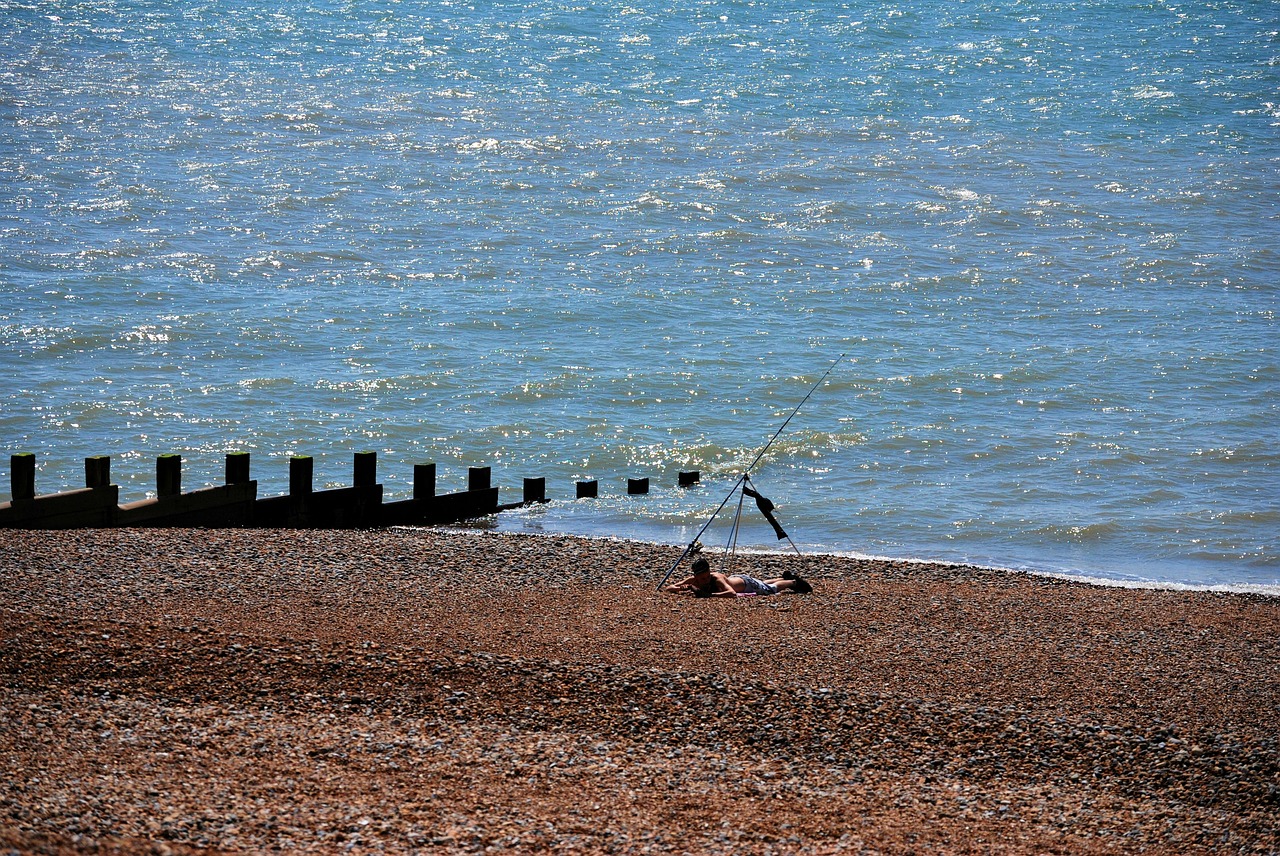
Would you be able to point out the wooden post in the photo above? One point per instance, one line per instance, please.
(238, 468)
(97, 471)
(478, 478)
(168, 475)
(535, 490)
(366, 469)
(588, 489)
(637, 486)
(424, 481)
(301, 468)
(22, 475)
(689, 479)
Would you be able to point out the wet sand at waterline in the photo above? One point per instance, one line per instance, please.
(454, 691)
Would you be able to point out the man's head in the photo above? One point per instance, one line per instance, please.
(702, 578)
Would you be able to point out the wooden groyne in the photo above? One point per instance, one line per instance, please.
(236, 503)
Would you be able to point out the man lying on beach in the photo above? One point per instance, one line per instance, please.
(708, 583)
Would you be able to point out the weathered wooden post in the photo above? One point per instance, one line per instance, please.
(97, 471)
(366, 469)
(588, 489)
(238, 468)
(535, 490)
(689, 479)
(168, 475)
(424, 481)
(22, 476)
(637, 486)
(301, 468)
(478, 478)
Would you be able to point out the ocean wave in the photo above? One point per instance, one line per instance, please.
(1263, 589)
(268, 384)
(1254, 453)
(80, 342)
(1147, 92)
(1088, 533)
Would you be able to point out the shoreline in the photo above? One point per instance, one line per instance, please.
(455, 689)
(1084, 577)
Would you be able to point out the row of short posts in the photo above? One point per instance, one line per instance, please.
(635, 487)
(236, 502)
(301, 476)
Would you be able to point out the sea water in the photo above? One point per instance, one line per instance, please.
(625, 239)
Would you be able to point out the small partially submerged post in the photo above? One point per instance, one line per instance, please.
(535, 490)
(636, 487)
(689, 479)
(588, 489)
(478, 478)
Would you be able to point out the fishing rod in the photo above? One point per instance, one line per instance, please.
(743, 477)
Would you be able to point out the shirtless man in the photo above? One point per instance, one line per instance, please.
(708, 583)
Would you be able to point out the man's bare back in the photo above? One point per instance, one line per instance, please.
(708, 583)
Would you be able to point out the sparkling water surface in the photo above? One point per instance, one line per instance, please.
(622, 240)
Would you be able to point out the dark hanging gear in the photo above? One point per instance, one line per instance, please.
(766, 508)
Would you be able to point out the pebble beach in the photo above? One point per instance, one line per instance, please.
(460, 690)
